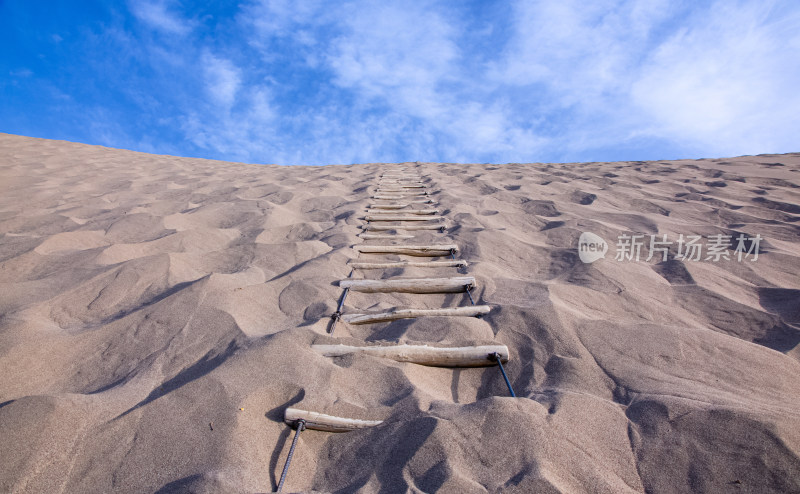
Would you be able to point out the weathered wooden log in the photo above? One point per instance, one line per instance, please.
(471, 311)
(400, 190)
(378, 228)
(411, 285)
(465, 356)
(409, 250)
(398, 205)
(388, 206)
(412, 264)
(402, 217)
(390, 236)
(396, 197)
(328, 423)
(415, 264)
(406, 211)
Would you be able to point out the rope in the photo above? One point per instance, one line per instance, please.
(467, 288)
(338, 314)
(301, 425)
(496, 357)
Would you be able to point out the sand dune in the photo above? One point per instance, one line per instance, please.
(157, 317)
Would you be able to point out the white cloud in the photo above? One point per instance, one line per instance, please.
(408, 59)
(23, 72)
(222, 80)
(244, 133)
(727, 82)
(281, 17)
(553, 80)
(716, 78)
(156, 14)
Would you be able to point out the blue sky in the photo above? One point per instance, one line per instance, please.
(361, 81)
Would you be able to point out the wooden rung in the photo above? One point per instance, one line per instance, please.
(401, 217)
(391, 197)
(472, 311)
(412, 264)
(388, 206)
(390, 236)
(400, 191)
(465, 356)
(411, 285)
(397, 205)
(328, 423)
(383, 228)
(410, 250)
(407, 211)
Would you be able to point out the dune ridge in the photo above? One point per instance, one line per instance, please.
(157, 316)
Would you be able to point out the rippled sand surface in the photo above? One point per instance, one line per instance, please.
(158, 312)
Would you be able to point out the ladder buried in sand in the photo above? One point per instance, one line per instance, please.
(302, 419)
(404, 189)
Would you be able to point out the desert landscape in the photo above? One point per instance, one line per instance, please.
(158, 313)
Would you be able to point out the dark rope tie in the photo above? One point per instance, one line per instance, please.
(301, 425)
(495, 357)
(338, 314)
(468, 289)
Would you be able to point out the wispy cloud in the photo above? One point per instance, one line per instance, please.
(530, 80)
(156, 14)
(222, 78)
(726, 82)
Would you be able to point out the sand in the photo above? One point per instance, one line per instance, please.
(158, 314)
